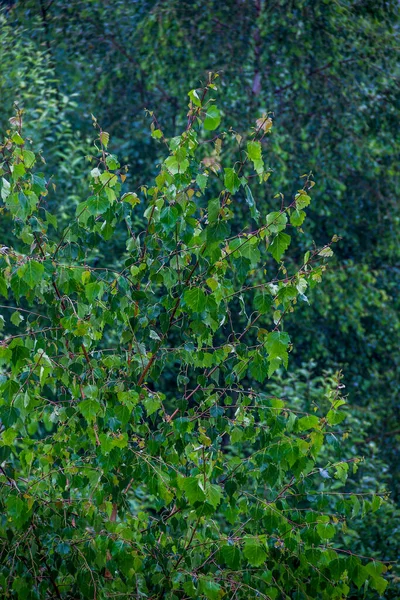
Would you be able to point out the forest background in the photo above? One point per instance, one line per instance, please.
(326, 73)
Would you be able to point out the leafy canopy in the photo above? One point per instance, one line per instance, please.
(113, 484)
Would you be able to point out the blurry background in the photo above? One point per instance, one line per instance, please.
(328, 72)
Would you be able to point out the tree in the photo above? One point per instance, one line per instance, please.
(327, 71)
(142, 454)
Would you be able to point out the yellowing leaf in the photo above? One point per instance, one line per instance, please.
(104, 138)
(264, 124)
(131, 198)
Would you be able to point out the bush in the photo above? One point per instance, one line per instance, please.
(142, 455)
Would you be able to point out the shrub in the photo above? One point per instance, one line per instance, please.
(142, 455)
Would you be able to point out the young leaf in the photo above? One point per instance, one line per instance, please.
(213, 118)
(104, 138)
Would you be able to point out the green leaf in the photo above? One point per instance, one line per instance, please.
(212, 119)
(18, 171)
(341, 472)
(157, 134)
(31, 273)
(89, 408)
(214, 207)
(211, 589)
(3, 287)
(231, 180)
(108, 180)
(16, 318)
(201, 181)
(217, 232)
(377, 582)
(213, 494)
(231, 556)
(195, 299)
(262, 300)
(169, 216)
(359, 575)
(254, 150)
(17, 139)
(279, 244)
(9, 414)
(276, 345)
(302, 200)
(29, 158)
(175, 166)
(376, 503)
(8, 436)
(17, 510)
(297, 218)
(308, 422)
(92, 290)
(112, 162)
(236, 435)
(326, 531)
(152, 404)
(254, 551)
(98, 204)
(335, 417)
(276, 221)
(259, 368)
(255, 155)
(192, 489)
(252, 205)
(195, 97)
(51, 219)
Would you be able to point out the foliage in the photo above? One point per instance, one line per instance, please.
(327, 72)
(143, 454)
(28, 79)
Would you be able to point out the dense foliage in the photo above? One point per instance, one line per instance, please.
(205, 486)
(327, 72)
